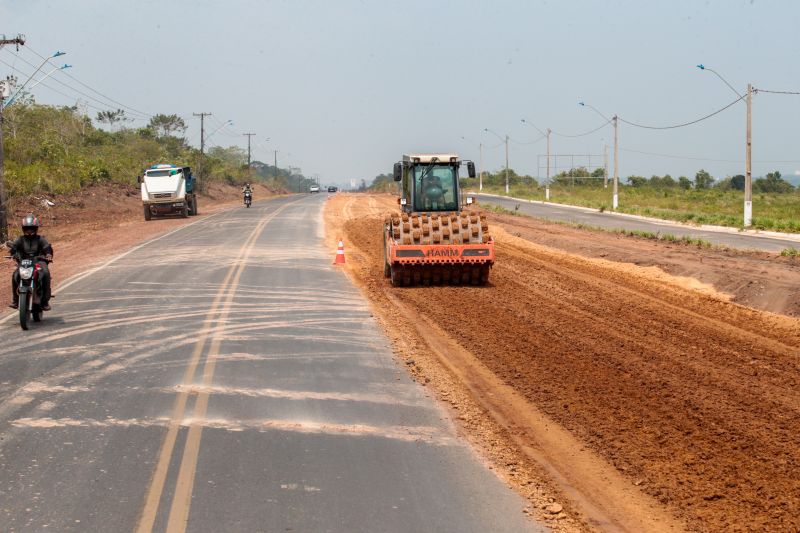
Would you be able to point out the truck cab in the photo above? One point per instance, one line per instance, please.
(168, 189)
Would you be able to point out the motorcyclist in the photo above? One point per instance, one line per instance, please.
(247, 190)
(31, 245)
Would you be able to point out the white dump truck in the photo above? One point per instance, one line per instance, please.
(168, 190)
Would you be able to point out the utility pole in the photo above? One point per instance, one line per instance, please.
(748, 171)
(18, 40)
(480, 169)
(547, 178)
(248, 147)
(276, 164)
(605, 166)
(202, 141)
(506, 163)
(615, 200)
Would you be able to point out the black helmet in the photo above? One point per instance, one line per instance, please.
(30, 221)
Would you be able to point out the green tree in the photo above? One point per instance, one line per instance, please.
(111, 117)
(703, 180)
(662, 182)
(167, 125)
(383, 183)
(773, 182)
(637, 181)
(737, 182)
(684, 183)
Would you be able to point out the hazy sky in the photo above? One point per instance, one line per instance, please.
(343, 88)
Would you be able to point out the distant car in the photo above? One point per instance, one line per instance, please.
(332, 189)
(313, 188)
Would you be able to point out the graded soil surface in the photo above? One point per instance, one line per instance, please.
(685, 404)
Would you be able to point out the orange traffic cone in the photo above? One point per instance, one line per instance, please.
(339, 254)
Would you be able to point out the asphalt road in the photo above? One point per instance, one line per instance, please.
(228, 378)
(608, 220)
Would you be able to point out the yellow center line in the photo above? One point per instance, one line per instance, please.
(156, 488)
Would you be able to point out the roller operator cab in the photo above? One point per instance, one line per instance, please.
(437, 237)
(168, 190)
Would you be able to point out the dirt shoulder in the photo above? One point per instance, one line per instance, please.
(756, 279)
(637, 399)
(89, 227)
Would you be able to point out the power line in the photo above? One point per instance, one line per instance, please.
(690, 158)
(147, 115)
(51, 88)
(65, 85)
(527, 143)
(601, 126)
(775, 92)
(683, 124)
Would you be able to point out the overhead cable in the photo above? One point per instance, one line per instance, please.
(52, 88)
(690, 158)
(601, 126)
(683, 124)
(71, 88)
(527, 143)
(775, 92)
(70, 76)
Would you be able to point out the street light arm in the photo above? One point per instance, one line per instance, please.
(495, 134)
(717, 74)
(531, 124)
(45, 77)
(19, 91)
(593, 108)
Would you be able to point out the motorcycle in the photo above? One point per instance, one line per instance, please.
(30, 291)
(248, 198)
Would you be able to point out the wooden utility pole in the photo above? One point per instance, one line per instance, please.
(547, 177)
(615, 200)
(202, 141)
(506, 164)
(248, 147)
(276, 164)
(18, 40)
(748, 171)
(480, 170)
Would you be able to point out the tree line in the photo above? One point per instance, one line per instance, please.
(773, 182)
(58, 149)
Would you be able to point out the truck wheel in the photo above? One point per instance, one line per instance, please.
(147, 214)
(185, 211)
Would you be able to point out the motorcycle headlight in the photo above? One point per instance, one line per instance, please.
(26, 272)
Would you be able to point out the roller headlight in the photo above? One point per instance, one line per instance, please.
(26, 272)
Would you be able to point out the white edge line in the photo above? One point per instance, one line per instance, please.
(660, 221)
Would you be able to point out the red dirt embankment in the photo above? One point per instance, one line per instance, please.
(691, 400)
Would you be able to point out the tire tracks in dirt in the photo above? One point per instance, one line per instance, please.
(692, 400)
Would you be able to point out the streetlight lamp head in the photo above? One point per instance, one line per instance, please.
(581, 103)
(59, 53)
(701, 66)
(66, 66)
